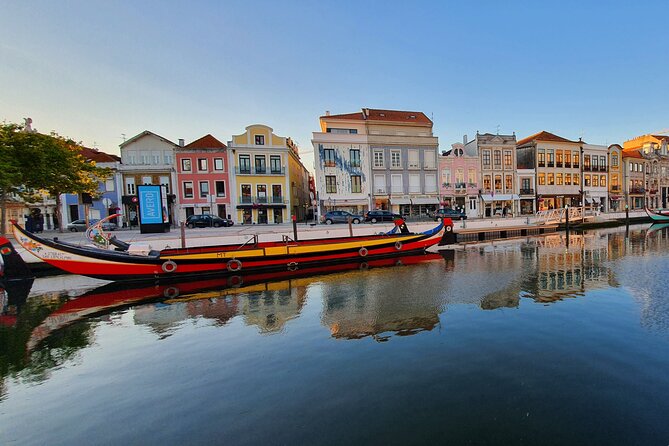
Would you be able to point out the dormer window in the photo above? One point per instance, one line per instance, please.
(260, 140)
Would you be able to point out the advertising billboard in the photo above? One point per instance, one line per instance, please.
(150, 205)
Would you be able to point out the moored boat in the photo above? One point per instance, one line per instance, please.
(251, 257)
(658, 215)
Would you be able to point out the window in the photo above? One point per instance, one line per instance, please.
(395, 161)
(508, 183)
(586, 162)
(331, 184)
(595, 180)
(414, 184)
(355, 157)
(567, 158)
(602, 162)
(275, 164)
(576, 158)
(558, 179)
(342, 131)
(396, 184)
(168, 159)
(202, 164)
(244, 163)
(567, 178)
(498, 182)
(378, 158)
(526, 184)
(551, 158)
(614, 181)
(430, 183)
(147, 180)
(277, 197)
(602, 181)
(429, 155)
(508, 161)
(109, 185)
(460, 177)
(471, 176)
(185, 165)
(541, 157)
(614, 160)
(379, 184)
(328, 158)
(130, 186)
(577, 180)
(559, 158)
(260, 164)
(542, 179)
(204, 189)
(220, 188)
(446, 177)
(246, 193)
(188, 189)
(156, 157)
(498, 158)
(146, 158)
(486, 158)
(586, 180)
(550, 179)
(356, 184)
(486, 182)
(261, 189)
(260, 140)
(218, 163)
(413, 159)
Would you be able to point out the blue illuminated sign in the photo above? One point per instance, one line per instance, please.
(150, 205)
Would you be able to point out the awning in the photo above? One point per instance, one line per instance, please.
(432, 200)
(615, 197)
(499, 197)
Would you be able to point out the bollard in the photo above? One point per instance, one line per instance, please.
(294, 228)
(627, 215)
(183, 234)
(350, 227)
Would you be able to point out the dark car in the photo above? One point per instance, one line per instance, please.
(207, 221)
(341, 217)
(80, 225)
(453, 214)
(378, 215)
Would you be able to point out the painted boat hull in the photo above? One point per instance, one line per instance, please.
(658, 216)
(225, 259)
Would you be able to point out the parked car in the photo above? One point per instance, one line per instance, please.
(207, 221)
(341, 217)
(453, 214)
(80, 225)
(379, 215)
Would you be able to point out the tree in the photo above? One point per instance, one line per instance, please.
(49, 163)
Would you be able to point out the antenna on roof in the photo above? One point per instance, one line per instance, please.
(498, 129)
(123, 136)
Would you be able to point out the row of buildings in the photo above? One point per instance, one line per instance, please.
(390, 159)
(372, 159)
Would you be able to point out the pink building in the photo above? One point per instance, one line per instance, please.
(459, 180)
(202, 178)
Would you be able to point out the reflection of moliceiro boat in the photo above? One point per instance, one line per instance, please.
(251, 257)
(115, 296)
(658, 215)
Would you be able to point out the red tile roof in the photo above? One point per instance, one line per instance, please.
(545, 136)
(373, 114)
(206, 142)
(98, 157)
(632, 153)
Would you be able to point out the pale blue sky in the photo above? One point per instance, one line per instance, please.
(93, 70)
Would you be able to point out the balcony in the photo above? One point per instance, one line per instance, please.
(248, 199)
(261, 171)
(637, 190)
(527, 192)
(615, 188)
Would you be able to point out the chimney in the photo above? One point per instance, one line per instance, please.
(181, 142)
(327, 112)
(464, 139)
(365, 113)
(663, 147)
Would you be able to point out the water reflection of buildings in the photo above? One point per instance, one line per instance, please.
(268, 306)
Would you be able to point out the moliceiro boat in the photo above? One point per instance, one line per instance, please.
(658, 215)
(251, 257)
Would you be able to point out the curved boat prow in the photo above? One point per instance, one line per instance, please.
(12, 266)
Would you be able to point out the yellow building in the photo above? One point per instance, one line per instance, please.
(646, 143)
(616, 178)
(269, 182)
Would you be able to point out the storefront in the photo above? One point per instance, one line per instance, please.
(500, 205)
(415, 207)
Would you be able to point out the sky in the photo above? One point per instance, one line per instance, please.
(97, 70)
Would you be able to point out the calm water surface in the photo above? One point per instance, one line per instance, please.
(524, 342)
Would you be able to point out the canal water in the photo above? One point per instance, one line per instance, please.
(536, 341)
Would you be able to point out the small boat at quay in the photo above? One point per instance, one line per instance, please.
(658, 215)
(251, 257)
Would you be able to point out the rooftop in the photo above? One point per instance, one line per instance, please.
(373, 114)
(206, 142)
(546, 136)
